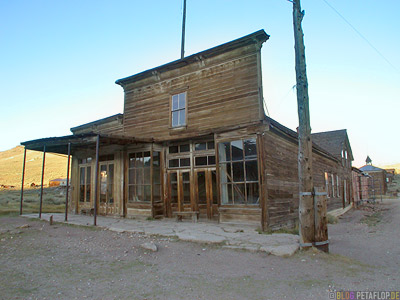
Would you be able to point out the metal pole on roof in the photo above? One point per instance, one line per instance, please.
(66, 194)
(183, 30)
(22, 183)
(41, 187)
(96, 181)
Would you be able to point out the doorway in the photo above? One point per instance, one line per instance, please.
(206, 192)
(106, 189)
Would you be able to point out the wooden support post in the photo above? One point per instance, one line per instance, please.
(22, 183)
(66, 193)
(306, 201)
(183, 30)
(321, 221)
(41, 187)
(96, 181)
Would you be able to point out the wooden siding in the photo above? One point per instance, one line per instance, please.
(282, 179)
(221, 91)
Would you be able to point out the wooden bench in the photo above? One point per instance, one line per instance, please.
(87, 211)
(180, 214)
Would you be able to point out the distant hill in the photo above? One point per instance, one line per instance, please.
(394, 166)
(11, 167)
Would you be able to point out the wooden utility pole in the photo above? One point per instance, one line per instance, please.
(306, 193)
(183, 30)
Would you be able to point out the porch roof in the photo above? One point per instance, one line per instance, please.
(80, 141)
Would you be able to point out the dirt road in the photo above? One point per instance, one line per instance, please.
(70, 262)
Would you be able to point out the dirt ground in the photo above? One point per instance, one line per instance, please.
(39, 261)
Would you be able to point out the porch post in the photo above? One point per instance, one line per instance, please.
(96, 180)
(41, 187)
(22, 183)
(66, 194)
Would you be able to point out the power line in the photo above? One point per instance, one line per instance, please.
(360, 34)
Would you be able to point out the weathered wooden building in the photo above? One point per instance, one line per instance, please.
(194, 140)
(378, 178)
(361, 186)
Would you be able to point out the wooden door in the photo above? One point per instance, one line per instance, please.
(179, 186)
(206, 192)
(106, 189)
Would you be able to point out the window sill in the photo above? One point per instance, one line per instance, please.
(178, 128)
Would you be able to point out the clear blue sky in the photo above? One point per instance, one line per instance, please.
(59, 61)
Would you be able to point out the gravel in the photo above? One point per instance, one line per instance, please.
(39, 261)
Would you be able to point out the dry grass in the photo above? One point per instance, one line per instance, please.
(11, 162)
(53, 200)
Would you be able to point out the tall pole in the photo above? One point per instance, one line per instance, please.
(22, 183)
(66, 193)
(306, 199)
(96, 181)
(41, 187)
(183, 30)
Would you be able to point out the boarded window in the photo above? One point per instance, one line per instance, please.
(238, 168)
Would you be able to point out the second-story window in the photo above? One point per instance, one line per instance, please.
(178, 110)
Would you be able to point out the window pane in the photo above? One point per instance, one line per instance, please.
(184, 148)
(252, 193)
(250, 148)
(182, 119)
(173, 149)
(139, 160)
(147, 193)
(238, 171)
(226, 194)
(251, 170)
(82, 185)
(237, 150)
(225, 173)
(156, 158)
(156, 175)
(201, 161)
(174, 102)
(238, 194)
(82, 176)
(131, 197)
(139, 176)
(174, 188)
(224, 152)
(139, 192)
(146, 175)
(131, 176)
(182, 100)
(211, 160)
(132, 160)
(186, 177)
(175, 120)
(214, 187)
(88, 183)
(146, 159)
(185, 162)
(201, 184)
(174, 163)
(157, 193)
(210, 145)
(200, 146)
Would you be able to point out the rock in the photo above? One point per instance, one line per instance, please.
(24, 226)
(149, 246)
(283, 250)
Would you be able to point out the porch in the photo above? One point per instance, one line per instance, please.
(241, 237)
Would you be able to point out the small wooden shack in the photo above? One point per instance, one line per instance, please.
(194, 141)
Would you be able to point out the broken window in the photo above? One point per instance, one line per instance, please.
(238, 168)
